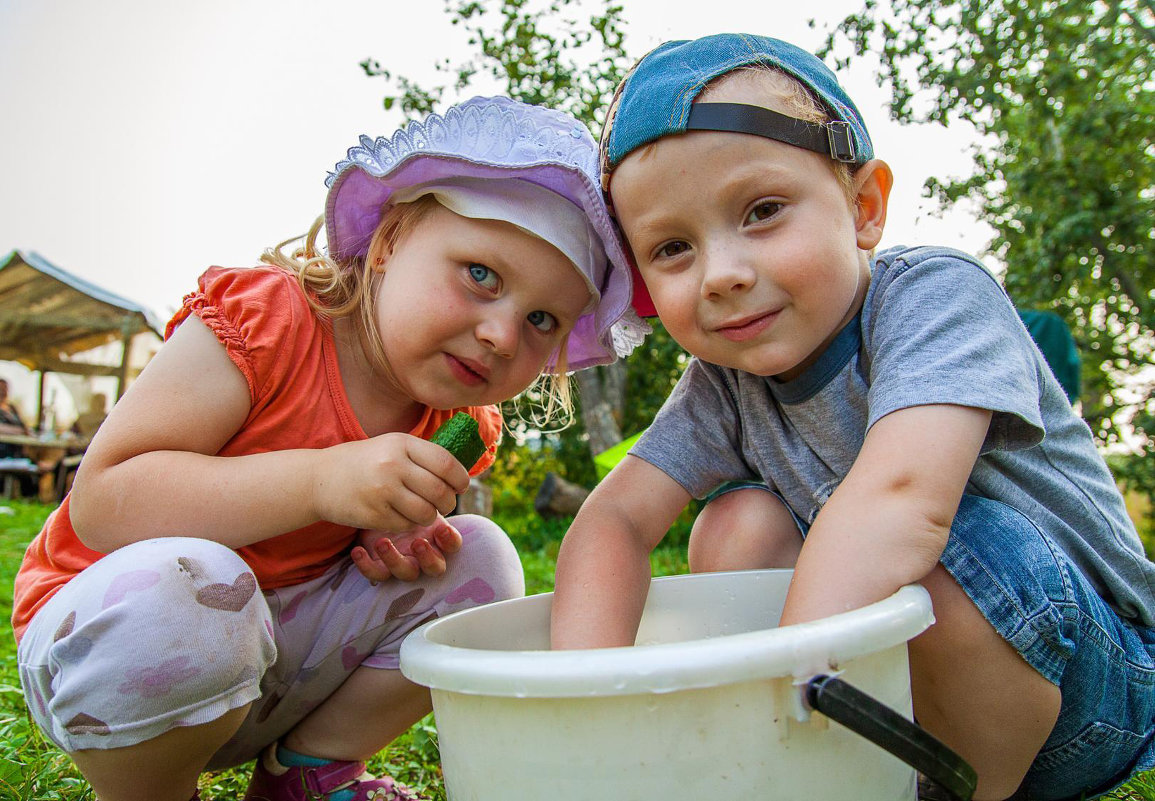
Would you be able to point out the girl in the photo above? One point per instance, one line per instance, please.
(215, 587)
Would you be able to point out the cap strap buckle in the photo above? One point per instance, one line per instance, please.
(841, 138)
(834, 139)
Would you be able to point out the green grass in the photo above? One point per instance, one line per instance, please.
(32, 769)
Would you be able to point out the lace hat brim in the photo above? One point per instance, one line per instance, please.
(495, 138)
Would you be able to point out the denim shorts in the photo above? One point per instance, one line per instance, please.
(1048, 611)
(1043, 605)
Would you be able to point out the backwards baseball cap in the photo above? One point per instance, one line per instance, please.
(656, 99)
(481, 159)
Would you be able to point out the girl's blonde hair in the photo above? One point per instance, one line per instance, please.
(348, 289)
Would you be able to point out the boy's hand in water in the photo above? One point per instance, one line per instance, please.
(380, 555)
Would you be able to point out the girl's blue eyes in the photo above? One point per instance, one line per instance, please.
(491, 282)
(542, 321)
(483, 275)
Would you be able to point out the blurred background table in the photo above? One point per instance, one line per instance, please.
(48, 460)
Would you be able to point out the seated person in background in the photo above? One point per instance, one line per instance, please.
(10, 423)
(87, 422)
(56, 480)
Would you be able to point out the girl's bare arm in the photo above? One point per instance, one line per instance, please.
(150, 471)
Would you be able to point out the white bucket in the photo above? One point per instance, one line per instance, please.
(708, 704)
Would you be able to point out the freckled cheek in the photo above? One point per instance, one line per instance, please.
(801, 270)
(675, 292)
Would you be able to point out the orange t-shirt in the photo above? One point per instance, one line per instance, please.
(289, 359)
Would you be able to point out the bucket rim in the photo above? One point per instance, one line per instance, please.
(799, 651)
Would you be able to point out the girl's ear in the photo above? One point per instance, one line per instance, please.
(377, 256)
(872, 184)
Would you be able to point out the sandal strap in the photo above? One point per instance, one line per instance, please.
(324, 779)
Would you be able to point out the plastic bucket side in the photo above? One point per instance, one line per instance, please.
(737, 740)
(710, 704)
(696, 631)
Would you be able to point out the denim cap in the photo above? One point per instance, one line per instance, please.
(656, 97)
(496, 139)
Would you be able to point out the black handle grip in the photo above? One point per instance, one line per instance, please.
(892, 732)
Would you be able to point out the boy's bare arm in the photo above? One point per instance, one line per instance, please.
(603, 568)
(888, 522)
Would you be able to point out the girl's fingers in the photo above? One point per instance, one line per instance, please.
(447, 538)
(398, 564)
(421, 505)
(441, 464)
(371, 568)
(429, 558)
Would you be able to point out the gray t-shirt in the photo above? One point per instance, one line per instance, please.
(935, 327)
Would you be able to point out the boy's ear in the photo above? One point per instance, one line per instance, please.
(872, 184)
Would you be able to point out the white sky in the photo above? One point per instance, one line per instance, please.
(144, 140)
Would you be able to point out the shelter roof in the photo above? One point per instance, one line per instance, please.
(48, 315)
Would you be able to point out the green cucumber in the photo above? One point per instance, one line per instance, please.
(460, 436)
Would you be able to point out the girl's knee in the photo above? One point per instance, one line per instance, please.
(166, 556)
(487, 553)
(158, 627)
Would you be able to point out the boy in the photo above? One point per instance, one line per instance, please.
(894, 406)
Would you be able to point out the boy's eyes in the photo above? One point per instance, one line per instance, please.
(671, 249)
(490, 281)
(763, 211)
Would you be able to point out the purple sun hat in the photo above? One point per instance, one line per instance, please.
(500, 139)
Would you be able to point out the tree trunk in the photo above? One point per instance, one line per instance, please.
(477, 500)
(602, 396)
(558, 497)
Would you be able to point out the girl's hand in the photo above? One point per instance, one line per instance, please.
(392, 482)
(406, 556)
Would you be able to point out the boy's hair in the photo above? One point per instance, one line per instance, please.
(798, 101)
(348, 288)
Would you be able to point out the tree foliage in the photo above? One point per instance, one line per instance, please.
(1063, 94)
(544, 53)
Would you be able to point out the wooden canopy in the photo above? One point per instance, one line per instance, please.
(48, 315)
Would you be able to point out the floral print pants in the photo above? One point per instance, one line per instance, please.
(175, 632)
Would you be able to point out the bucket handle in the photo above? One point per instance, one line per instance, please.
(873, 720)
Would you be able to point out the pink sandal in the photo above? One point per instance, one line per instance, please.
(273, 781)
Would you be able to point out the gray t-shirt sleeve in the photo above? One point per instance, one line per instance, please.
(695, 437)
(940, 329)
